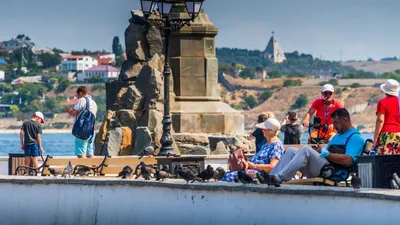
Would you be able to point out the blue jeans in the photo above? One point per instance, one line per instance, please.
(32, 150)
(84, 147)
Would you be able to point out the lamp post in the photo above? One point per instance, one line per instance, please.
(164, 22)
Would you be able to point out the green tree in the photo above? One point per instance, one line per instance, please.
(119, 60)
(250, 101)
(289, 83)
(63, 85)
(247, 73)
(116, 46)
(301, 102)
(265, 96)
(274, 74)
(355, 85)
(50, 104)
(14, 109)
(50, 60)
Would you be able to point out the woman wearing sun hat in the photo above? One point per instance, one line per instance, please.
(387, 129)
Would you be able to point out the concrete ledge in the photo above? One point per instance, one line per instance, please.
(379, 194)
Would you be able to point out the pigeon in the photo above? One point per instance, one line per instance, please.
(186, 174)
(396, 179)
(21, 171)
(69, 170)
(244, 178)
(165, 168)
(207, 174)
(149, 150)
(82, 170)
(55, 172)
(145, 171)
(126, 172)
(161, 175)
(218, 174)
(393, 184)
(355, 182)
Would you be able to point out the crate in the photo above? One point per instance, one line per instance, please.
(376, 171)
(15, 160)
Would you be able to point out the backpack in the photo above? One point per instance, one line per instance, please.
(292, 134)
(237, 160)
(84, 125)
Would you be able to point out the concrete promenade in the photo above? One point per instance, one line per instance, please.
(45, 200)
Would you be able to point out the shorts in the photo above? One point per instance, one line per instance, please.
(84, 147)
(32, 150)
(326, 136)
(388, 143)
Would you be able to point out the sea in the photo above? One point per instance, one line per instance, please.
(62, 144)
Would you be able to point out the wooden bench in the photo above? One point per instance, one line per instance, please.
(95, 164)
(114, 164)
(318, 181)
(28, 169)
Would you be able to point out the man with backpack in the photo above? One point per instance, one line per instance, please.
(291, 129)
(84, 112)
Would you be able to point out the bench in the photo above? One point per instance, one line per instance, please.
(27, 170)
(318, 181)
(95, 164)
(114, 164)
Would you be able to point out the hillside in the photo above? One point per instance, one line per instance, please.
(375, 67)
(361, 102)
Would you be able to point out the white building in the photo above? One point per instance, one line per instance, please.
(74, 63)
(2, 75)
(104, 71)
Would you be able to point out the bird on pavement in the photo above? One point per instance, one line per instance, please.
(69, 170)
(207, 174)
(355, 182)
(55, 172)
(165, 168)
(161, 175)
(218, 174)
(82, 170)
(244, 178)
(145, 171)
(186, 174)
(126, 172)
(148, 151)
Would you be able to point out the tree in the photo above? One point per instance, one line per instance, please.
(250, 101)
(301, 101)
(288, 83)
(14, 109)
(116, 46)
(274, 74)
(119, 60)
(50, 60)
(50, 104)
(247, 73)
(63, 85)
(265, 96)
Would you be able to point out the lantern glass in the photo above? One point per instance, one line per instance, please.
(164, 7)
(147, 6)
(193, 7)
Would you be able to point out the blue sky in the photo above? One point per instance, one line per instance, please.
(360, 28)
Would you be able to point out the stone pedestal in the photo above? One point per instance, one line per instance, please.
(193, 60)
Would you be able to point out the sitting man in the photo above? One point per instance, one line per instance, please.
(341, 153)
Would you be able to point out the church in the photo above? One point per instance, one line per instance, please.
(273, 51)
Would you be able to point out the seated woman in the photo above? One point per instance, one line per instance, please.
(269, 154)
(387, 128)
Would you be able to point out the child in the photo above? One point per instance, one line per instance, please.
(257, 132)
(30, 137)
(292, 129)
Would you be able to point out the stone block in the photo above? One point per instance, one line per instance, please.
(127, 118)
(189, 149)
(192, 138)
(133, 99)
(213, 123)
(192, 67)
(234, 123)
(126, 142)
(142, 139)
(188, 123)
(193, 86)
(130, 70)
(226, 140)
(114, 141)
(221, 149)
(212, 77)
(187, 46)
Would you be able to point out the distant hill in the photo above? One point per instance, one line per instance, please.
(296, 63)
(375, 66)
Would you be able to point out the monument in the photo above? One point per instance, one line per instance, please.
(135, 102)
(198, 107)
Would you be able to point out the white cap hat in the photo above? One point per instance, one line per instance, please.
(328, 87)
(391, 87)
(270, 123)
(40, 115)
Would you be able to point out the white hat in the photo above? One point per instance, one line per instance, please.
(328, 87)
(391, 87)
(40, 115)
(270, 123)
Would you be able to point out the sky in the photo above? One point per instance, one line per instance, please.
(333, 30)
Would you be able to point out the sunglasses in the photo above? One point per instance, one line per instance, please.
(327, 93)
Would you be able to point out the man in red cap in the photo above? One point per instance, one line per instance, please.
(323, 107)
(30, 138)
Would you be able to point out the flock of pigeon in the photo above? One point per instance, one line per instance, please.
(79, 170)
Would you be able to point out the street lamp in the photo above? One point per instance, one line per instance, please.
(165, 23)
